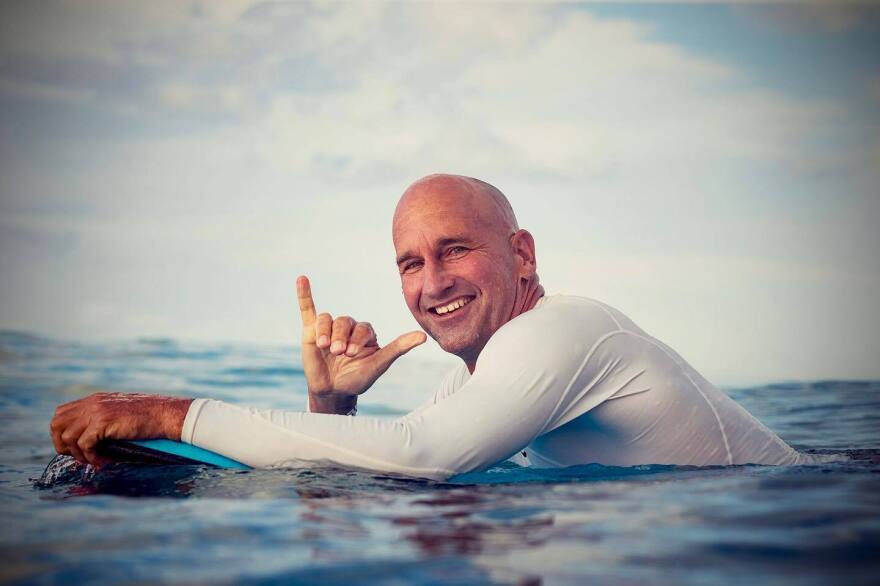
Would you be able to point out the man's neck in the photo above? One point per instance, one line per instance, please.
(531, 299)
(527, 298)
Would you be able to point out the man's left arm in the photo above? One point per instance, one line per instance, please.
(518, 391)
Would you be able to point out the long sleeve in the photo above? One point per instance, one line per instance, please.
(573, 381)
(511, 398)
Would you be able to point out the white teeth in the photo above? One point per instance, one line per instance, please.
(452, 306)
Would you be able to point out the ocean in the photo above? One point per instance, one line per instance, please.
(505, 525)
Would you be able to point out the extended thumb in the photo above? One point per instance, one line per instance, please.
(397, 348)
(406, 342)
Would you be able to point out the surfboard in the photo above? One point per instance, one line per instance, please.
(166, 452)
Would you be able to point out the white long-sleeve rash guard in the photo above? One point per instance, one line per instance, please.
(572, 381)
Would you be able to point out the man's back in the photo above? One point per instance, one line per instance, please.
(629, 399)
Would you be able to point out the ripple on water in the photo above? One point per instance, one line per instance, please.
(647, 524)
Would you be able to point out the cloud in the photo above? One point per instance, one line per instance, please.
(195, 157)
(554, 90)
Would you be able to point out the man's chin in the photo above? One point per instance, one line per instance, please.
(457, 345)
(458, 340)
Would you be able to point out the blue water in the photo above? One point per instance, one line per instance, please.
(588, 524)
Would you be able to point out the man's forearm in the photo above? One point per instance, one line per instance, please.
(332, 404)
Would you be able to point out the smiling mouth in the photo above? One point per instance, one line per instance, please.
(451, 307)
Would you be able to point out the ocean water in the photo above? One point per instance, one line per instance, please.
(509, 525)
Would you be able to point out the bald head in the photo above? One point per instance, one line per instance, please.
(443, 190)
(465, 267)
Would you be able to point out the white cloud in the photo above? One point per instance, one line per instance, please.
(233, 148)
(555, 91)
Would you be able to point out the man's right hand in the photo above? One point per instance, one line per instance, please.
(79, 426)
(341, 357)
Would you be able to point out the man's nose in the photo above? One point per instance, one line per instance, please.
(437, 280)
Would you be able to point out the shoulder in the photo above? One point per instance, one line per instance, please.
(585, 309)
(560, 329)
(567, 315)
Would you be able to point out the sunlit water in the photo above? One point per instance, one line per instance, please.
(588, 524)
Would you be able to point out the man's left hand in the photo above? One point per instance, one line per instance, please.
(342, 357)
(79, 426)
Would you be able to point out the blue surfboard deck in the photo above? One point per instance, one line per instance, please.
(167, 452)
(191, 452)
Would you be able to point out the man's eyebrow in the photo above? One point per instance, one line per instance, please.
(451, 240)
(443, 242)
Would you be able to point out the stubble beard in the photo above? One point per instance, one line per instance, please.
(461, 341)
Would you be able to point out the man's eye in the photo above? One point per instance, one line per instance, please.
(456, 251)
(410, 267)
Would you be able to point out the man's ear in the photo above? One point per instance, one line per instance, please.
(524, 249)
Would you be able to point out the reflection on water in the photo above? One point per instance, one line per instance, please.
(649, 524)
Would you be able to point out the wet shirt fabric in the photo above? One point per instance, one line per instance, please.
(573, 381)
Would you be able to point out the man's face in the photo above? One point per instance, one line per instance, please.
(457, 268)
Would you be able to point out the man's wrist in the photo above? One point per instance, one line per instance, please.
(333, 404)
(173, 413)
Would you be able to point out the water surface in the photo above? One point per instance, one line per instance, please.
(587, 524)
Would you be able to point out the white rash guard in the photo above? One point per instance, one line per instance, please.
(572, 381)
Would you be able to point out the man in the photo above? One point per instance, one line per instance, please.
(547, 380)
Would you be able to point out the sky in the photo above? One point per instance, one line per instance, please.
(167, 169)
